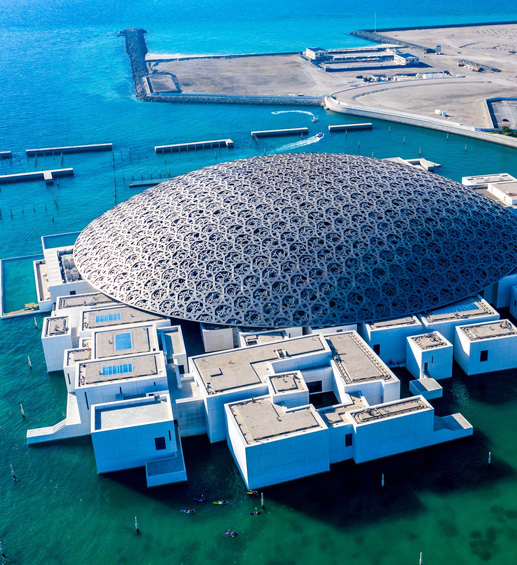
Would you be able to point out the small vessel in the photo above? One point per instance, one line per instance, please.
(256, 513)
(231, 534)
(201, 498)
(188, 511)
(315, 119)
(252, 492)
(320, 134)
(221, 502)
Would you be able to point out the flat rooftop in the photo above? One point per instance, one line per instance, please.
(98, 371)
(509, 188)
(81, 300)
(261, 420)
(247, 366)
(355, 361)
(76, 355)
(132, 413)
(116, 316)
(127, 341)
(288, 382)
(338, 414)
(397, 322)
(389, 410)
(69, 272)
(464, 310)
(266, 337)
(431, 340)
(485, 180)
(489, 330)
(56, 325)
(174, 341)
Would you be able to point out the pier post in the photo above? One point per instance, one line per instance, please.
(29, 362)
(262, 500)
(136, 525)
(489, 458)
(22, 411)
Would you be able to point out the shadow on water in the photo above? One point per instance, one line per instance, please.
(346, 496)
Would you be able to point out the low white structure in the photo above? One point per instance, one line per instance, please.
(429, 356)
(56, 275)
(338, 363)
(135, 433)
(505, 191)
(483, 348)
(482, 181)
(217, 338)
(472, 310)
(388, 338)
(426, 387)
(56, 336)
(273, 444)
(499, 294)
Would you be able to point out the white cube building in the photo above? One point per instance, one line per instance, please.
(429, 356)
(471, 310)
(273, 444)
(483, 348)
(133, 433)
(388, 338)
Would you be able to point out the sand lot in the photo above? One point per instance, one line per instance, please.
(462, 95)
(280, 75)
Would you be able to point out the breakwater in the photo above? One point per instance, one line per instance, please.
(69, 149)
(372, 35)
(47, 176)
(280, 132)
(194, 145)
(331, 103)
(349, 127)
(136, 48)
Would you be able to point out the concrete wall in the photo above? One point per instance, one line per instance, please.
(382, 438)
(415, 120)
(448, 328)
(337, 443)
(392, 341)
(218, 339)
(214, 406)
(284, 459)
(54, 348)
(502, 354)
(130, 447)
(439, 361)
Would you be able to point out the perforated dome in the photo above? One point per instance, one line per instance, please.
(298, 239)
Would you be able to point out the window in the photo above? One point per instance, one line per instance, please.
(483, 356)
(159, 443)
(72, 293)
(377, 348)
(348, 440)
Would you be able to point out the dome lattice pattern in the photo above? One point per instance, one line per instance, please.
(298, 239)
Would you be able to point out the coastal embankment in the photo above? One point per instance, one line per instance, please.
(331, 103)
(136, 48)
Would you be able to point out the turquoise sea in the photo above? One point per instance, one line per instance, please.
(65, 79)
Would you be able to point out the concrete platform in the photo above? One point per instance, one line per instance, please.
(47, 176)
(211, 144)
(426, 387)
(69, 149)
(349, 127)
(279, 132)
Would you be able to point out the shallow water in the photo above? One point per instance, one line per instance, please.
(66, 80)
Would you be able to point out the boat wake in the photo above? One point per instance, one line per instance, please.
(293, 112)
(298, 144)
